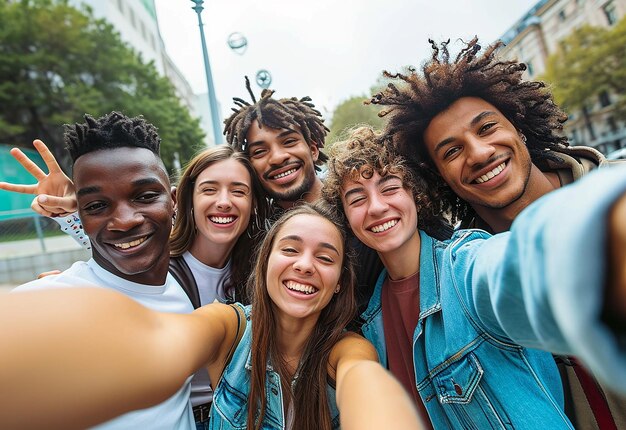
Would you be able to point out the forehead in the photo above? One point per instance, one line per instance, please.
(461, 113)
(257, 133)
(312, 229)
(229, 170)
(117, 166)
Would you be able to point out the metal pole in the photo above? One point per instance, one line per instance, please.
(42, 242)
(217, 128)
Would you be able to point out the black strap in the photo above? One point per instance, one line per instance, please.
(182, 273)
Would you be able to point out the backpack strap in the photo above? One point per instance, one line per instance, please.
(241, 328)
(182, 273)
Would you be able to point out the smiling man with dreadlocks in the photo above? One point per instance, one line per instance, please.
(488, 144)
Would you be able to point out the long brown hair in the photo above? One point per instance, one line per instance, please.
(309, 396)
(184, 232)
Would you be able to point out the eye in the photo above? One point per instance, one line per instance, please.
(148, 197)
(290, 141)
(94, 207)
(356, 200)
(208, 190)
(391, 189)
(289, 250)
(326, 258)
(451, 152)
(258, 152)
(240, 193)
(486, 127)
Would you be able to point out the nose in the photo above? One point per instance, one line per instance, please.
(478, 151)
(304, 264)
(278, 155)
(125, 217)
(223, 201)
(377, 205)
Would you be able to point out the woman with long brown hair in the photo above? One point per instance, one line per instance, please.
(285, 362)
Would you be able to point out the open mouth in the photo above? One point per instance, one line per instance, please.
(283, 174)
(222, 220)
(490, 174)
(384, 226)
(300, 288)
(132, 243)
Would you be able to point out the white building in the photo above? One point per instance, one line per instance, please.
(136, 21)
(537, 34)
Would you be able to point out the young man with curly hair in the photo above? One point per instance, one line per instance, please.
(461, 322)
(488, 144)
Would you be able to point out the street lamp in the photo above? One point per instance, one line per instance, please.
(217, 129)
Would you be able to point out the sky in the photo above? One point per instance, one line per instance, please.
(329, 50)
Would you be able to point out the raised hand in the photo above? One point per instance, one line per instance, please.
(55, 193)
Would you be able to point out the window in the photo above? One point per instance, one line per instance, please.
(562, 15)
(605, 100)
(132, 18)
(574, 138)
(612, 124)
(610, 11)
(120, 6)
(530, 68)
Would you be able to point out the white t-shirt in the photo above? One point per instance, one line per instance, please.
(175, 412)
(210, 282)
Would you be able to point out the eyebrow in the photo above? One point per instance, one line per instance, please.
(473, 122)
(235, 183)
(138, 183)
(297, 238)
(380, 182)
(282, 134)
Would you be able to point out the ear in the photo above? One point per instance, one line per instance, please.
(315, 151)
(173, 195)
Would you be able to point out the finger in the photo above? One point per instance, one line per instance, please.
(48, 273)
(19, 188)
(56, 204)
(46, 155)
(28, 164)
(40, 210)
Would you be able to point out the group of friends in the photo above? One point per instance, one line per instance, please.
(450, 271)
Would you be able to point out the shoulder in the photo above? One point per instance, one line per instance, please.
(353, 346)
(79, 274)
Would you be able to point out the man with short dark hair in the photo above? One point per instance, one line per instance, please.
(126, 206)
(488, 143)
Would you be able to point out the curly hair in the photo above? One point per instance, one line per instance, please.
(360, 155)
(113, 130)
(290, 113)
(410, 106)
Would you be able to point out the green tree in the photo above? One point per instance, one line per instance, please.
(57, 63)
(589, 61)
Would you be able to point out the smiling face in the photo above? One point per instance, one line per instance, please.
(125, 205)
(284, 163)
(479, 154)
(304, 266)
(222, 202)
(381, 212)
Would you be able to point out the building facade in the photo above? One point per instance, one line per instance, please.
(537, 34)
(136, 21)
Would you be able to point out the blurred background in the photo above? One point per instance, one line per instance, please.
(180, 62)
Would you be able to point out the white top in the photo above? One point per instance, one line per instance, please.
(175, 412)
(210, 282)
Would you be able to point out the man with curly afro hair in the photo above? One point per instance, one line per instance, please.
(488, 144)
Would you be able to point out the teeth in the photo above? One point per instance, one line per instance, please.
(491, 174)
(127, 245)
(222, 219)
(306, 289)
(384, 227)
(282, 175)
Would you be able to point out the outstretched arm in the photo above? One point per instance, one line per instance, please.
(615, 297)
(55, 194)
(368, 396)
(97, 351)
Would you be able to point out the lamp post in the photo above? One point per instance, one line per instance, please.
(215, 121)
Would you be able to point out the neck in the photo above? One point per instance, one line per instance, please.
(314, 193)
(292, 335)
(212, 254)
(403, 261)
(500, 219)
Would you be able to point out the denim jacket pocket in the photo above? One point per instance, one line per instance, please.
(229, 409)
(465, 400)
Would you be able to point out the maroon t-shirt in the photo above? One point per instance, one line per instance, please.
(401, 308)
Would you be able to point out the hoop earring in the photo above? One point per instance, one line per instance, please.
(193, 221)
(523, 137)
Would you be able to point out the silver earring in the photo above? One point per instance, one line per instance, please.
(523, 136)
(337, 289)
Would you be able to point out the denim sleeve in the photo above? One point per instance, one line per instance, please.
(542, 285)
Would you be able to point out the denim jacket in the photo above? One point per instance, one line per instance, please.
(485, 302)
(230, 398)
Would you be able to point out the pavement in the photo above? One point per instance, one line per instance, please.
(22, 248)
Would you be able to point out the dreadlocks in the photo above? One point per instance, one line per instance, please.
(290, 113)
(411, 105)
(110, 131)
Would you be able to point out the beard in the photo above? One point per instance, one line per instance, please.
(294, 194)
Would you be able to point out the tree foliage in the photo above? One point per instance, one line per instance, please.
(591, 60)
(58, 63)
(349, 113)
